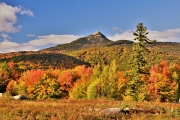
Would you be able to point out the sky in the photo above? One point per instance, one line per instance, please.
(31, 25)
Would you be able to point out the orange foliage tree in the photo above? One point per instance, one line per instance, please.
(66, 80)
(53, 73)
(122, 84)
(34, 76)
(160, 86)
(10, 86)
(83, 71)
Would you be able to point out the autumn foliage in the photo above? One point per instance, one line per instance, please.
(160, 84)
(34, 76)
(10, 86)
(83, 71)
(66, 80)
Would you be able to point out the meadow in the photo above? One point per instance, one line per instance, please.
(66, 109)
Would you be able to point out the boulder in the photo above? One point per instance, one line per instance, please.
(110, 111)
(19, 97)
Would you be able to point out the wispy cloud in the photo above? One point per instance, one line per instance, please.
(8, 46)
(127, 35)
(23, 11)
(170, 35)
(8, 17)
(31, 35)
(36, 44)
(5, 36)
(52, 40)
(117, 29)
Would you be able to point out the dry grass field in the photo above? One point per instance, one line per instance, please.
(82, 110)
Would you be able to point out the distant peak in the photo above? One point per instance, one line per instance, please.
(97, 33)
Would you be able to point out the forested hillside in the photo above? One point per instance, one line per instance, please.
(45, 61)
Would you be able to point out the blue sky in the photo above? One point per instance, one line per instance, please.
(35, 24)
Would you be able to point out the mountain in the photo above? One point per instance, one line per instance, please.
(96, 39)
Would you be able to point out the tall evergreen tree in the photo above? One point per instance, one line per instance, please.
(137, 60)
(141, 34)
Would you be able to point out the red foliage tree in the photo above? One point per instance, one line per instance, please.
(34, 76)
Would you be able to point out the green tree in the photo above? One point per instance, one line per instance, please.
(92, 90)
(141, 34)
(109, 81)
(137, 60)
(176, 77)
(79, 91)
(19, 88)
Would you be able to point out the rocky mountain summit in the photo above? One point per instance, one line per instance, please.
(97, 34)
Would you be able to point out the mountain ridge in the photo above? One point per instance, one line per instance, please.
(95, 39)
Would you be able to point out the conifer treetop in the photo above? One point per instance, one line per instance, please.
(141, 34)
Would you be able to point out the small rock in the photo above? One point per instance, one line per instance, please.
(110, 111)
